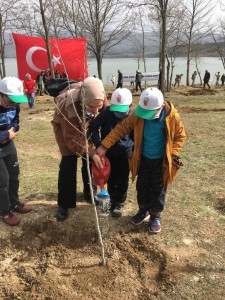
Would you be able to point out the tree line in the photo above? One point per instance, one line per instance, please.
(177, 24)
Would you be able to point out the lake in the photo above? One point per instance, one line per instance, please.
(129, 66)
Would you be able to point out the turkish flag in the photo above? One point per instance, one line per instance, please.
(68, 55)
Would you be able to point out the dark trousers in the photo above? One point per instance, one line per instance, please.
(150, 192)
(67, 182)
(138, 85)
(85, 178)
(118, 181)
(206, 82)
(119, 85)
(9, 176)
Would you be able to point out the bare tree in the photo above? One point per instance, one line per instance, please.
(218, 36)
(196, 20)
(105, 24)
(7, 17)
(174, 26)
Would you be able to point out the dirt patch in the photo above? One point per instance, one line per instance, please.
(188, 91)
(198, 109)
(219, 204)
(44, 259)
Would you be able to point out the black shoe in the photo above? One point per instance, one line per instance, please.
(62, 214)
(117, 212)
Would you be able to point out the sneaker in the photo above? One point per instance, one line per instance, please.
(10, 219)
(21, 208)
(154, 225)
(117, 212)
(61, 214)
(140, 217)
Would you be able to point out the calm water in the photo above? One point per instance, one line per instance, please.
(129, 66)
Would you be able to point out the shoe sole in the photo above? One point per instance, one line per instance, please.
(146, 219)
(60, 219)
(154, 232)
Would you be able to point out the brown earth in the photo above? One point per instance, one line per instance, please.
(42, 259)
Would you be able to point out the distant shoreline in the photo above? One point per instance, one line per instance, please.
(156, 55)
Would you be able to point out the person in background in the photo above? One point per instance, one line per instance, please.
(120, 80)
(64, 75)
(206, 79)
(178, 79)
(29, 89)
(68, 124)
(11, 95)
(193, 77)
(158, 138)
(138, 78)
(46, 78)
(118, 155)
(113, 80)
(57, 74)
(40, 83)
(217, 78)
(222, 79)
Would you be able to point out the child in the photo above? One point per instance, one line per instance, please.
(29, 87)
(11, 94)
(158, 138)
(118, 155)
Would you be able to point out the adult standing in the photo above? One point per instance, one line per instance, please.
(206, 79)
(69, 129)
(138, 78)
(178, 80)
(40, 83)
(193, 77)
(11, 95)
(217, 78)
(29, 88)
(120, 80)
(47, 77)
(113, 79)
(222, 79)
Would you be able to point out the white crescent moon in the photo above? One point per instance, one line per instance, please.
(29, 58)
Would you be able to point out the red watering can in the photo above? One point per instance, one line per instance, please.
(101, 176)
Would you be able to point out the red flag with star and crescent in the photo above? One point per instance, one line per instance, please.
(68, 55)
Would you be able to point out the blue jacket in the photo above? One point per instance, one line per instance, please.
(9, 117)
(103, 124)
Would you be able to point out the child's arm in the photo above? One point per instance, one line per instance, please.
(123, 128)
(16, 119)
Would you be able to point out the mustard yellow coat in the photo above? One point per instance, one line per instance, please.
(175, 140)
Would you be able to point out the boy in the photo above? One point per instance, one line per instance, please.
(11, 94)
(158, 138)
(118, 155)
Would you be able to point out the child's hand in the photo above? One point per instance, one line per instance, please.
(97, 159)
(177, 161)
(101, 151)
(12, 133)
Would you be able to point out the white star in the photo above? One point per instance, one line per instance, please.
(55, 60)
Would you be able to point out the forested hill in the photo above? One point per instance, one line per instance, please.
(128, 48)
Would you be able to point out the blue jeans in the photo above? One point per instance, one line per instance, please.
(30, 98)
(9, 176)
